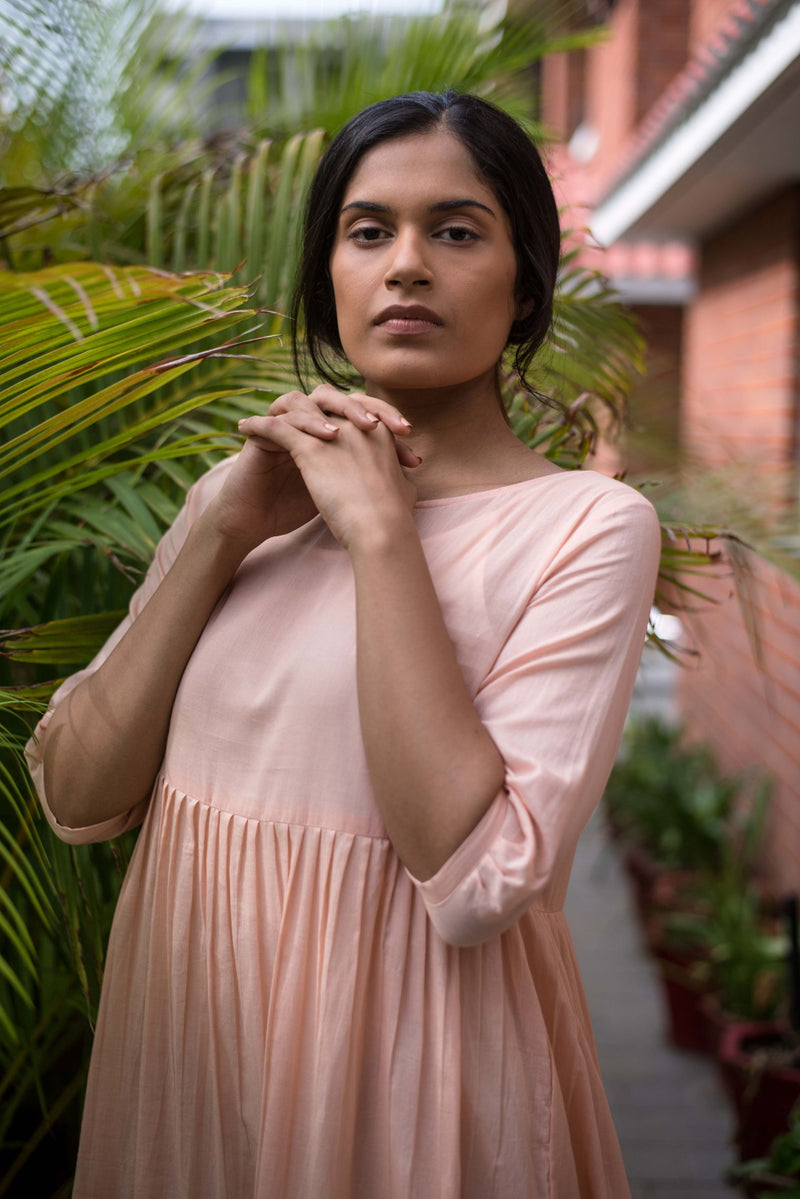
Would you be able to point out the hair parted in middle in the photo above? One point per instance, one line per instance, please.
(504, 156)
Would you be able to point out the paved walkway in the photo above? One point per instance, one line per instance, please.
(671, 1115)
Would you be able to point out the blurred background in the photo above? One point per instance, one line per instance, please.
(153, 164)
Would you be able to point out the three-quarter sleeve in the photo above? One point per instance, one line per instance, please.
(554, 702)
(166, 552)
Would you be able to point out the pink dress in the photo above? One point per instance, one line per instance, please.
(287, 1013)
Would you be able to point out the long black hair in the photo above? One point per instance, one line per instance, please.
(505, 158)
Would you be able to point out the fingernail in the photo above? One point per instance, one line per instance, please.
(330, 428)
(407, 423)
(371, 416)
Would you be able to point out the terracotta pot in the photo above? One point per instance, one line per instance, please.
(658, 888)
(686, 1019)
(717, 1021)
(763, 1093)
(643, 871)
(675, 891)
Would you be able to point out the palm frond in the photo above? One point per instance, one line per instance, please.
(97, 364)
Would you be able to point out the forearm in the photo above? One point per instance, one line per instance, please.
(106, 740)
(434, 768)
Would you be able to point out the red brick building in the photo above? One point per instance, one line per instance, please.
(681, 150)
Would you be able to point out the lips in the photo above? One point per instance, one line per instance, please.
(408, 318)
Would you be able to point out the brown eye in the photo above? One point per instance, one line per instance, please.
(458, 233)
(367, 233)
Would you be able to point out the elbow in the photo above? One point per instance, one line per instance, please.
(68, 821)
(504, 867)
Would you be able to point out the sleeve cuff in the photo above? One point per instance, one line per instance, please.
(103, 831)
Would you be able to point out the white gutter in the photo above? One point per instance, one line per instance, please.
(653, 290)
(686, 144)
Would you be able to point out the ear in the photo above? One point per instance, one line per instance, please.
(523, 309)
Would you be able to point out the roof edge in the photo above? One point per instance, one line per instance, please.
(697, 124)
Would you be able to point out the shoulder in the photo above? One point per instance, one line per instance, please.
(579, 504)
(602, 525)
(607, 495)
(615, 511)
(582, 501)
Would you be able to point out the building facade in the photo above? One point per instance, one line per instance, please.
(680, 149)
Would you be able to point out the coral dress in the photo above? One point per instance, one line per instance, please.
(287, 1012)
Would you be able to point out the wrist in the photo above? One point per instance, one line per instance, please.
(383, 530)
(221, 551)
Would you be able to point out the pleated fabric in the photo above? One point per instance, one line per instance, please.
(287, 1012)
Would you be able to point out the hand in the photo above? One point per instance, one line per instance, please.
(350, 463)
(265, 493)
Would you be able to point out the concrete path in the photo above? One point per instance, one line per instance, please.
(671, 1115)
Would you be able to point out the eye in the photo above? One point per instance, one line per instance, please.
(458, 233)
(366, 234)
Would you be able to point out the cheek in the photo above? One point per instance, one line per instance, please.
(500, 285)
(348, 291)
(498, 309)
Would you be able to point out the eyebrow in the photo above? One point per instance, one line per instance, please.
(440, 206)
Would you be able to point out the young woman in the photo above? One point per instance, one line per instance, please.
(363, 705)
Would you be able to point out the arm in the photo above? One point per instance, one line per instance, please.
(96, 752)
(95, 755)
(433, 765)
(545, 725)
(106, 740)
(554, 703)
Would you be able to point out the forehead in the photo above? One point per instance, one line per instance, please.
(417, 164)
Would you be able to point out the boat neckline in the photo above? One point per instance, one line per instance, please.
(471, 495)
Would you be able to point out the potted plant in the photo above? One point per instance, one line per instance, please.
(674, 812)
(760, 1064)
(691, 838)
(759, 1053)
(778, 1172)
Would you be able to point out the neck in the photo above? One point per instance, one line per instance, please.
(462, 436)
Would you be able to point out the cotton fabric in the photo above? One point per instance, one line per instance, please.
(287, 1012)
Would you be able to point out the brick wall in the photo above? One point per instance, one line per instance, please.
(740, 376)
(741, 407)
(611, 89)
(750, 714)
(563, 93)
(650, 444)
(617, 80)
(663, 46)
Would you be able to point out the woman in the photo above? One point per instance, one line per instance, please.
(364, 703)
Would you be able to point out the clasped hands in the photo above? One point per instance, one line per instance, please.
(328, 452)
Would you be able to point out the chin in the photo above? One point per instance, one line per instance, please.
(413, 377)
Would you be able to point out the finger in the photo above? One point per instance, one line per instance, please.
(286, 402)
(278, 432)
(312, 422)
(406, 456)
(322, 402)
(363, 410)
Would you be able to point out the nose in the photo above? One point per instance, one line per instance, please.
(408, 262)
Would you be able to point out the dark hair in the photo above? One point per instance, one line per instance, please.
(506, 159)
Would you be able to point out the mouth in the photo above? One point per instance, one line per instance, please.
(407, 318)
